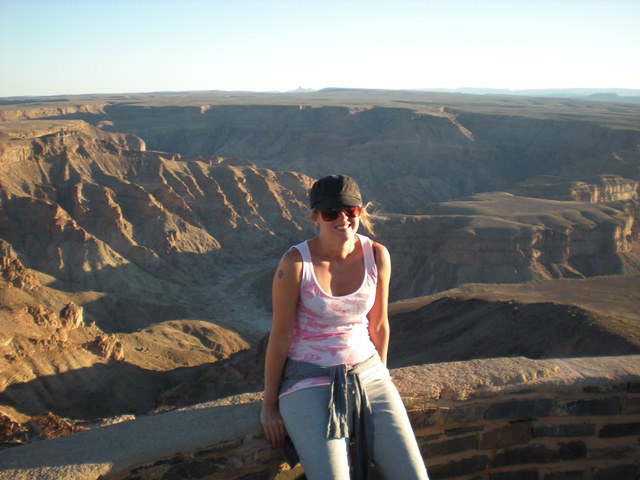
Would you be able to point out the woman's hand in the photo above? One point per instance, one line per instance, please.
(272, 425)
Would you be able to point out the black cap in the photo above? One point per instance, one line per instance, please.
(335, 191)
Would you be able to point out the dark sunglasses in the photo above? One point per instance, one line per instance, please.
(331, 214)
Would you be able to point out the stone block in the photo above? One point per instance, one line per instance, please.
(605, 388)
(514, 409)
(519, 475)
(525, 455)
(631, 406)
(620, 430)
(614, 453)
(626, 472)
(463, 414)
(427, 418)
(463, 430)
(514, 434)
(458, 468)
(540, 454)
(447, 447)
(572, 450)
(571, 430)
(203, 468)
(595, 407)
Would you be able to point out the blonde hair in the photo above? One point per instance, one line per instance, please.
(368, 218)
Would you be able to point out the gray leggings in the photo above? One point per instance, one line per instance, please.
(395, 450)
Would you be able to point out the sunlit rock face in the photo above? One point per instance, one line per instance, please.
(502, 238)
(601, 188)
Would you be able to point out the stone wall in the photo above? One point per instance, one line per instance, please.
(588, 434)
(495, 419)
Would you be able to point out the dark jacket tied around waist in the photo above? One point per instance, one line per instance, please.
(337, 426)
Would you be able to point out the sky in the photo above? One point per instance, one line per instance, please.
(57, 47)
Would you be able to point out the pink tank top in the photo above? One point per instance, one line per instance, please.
(334, 330)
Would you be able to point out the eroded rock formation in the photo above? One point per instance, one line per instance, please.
(602, 188)
(13, 271)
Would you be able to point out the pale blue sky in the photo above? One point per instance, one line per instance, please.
(50, 47)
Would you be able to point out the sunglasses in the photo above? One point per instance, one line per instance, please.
(331, 214)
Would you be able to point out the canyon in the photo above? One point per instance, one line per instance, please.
(139, 234)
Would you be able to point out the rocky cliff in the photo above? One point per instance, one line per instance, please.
(432, 156)
(499, 237)
(433, 147)
(602, 188)
(50, 346)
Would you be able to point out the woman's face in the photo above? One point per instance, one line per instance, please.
(344, 227)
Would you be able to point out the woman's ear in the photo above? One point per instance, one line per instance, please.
(315, 218)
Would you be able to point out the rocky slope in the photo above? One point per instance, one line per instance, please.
(49, 350)
(98, 212)
(139, 239)
(141, 246)
(547, 319)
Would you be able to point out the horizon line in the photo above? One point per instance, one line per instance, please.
(619, 91)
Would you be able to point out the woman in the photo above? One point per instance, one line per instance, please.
(326, 381)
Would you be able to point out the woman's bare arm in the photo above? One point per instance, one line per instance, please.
(285, 292)
(378, 315)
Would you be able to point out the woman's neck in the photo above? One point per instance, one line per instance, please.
(326, 248)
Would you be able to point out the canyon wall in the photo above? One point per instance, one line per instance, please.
(434, 156)
(147, 213)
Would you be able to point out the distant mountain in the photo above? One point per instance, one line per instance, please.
(603, 94)
(302, 90)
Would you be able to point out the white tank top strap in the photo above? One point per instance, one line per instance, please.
(305, 253)
(369, 258)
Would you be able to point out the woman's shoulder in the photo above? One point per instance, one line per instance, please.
(380, 253)
(292, 256)
(377, 246)
(290, 265)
